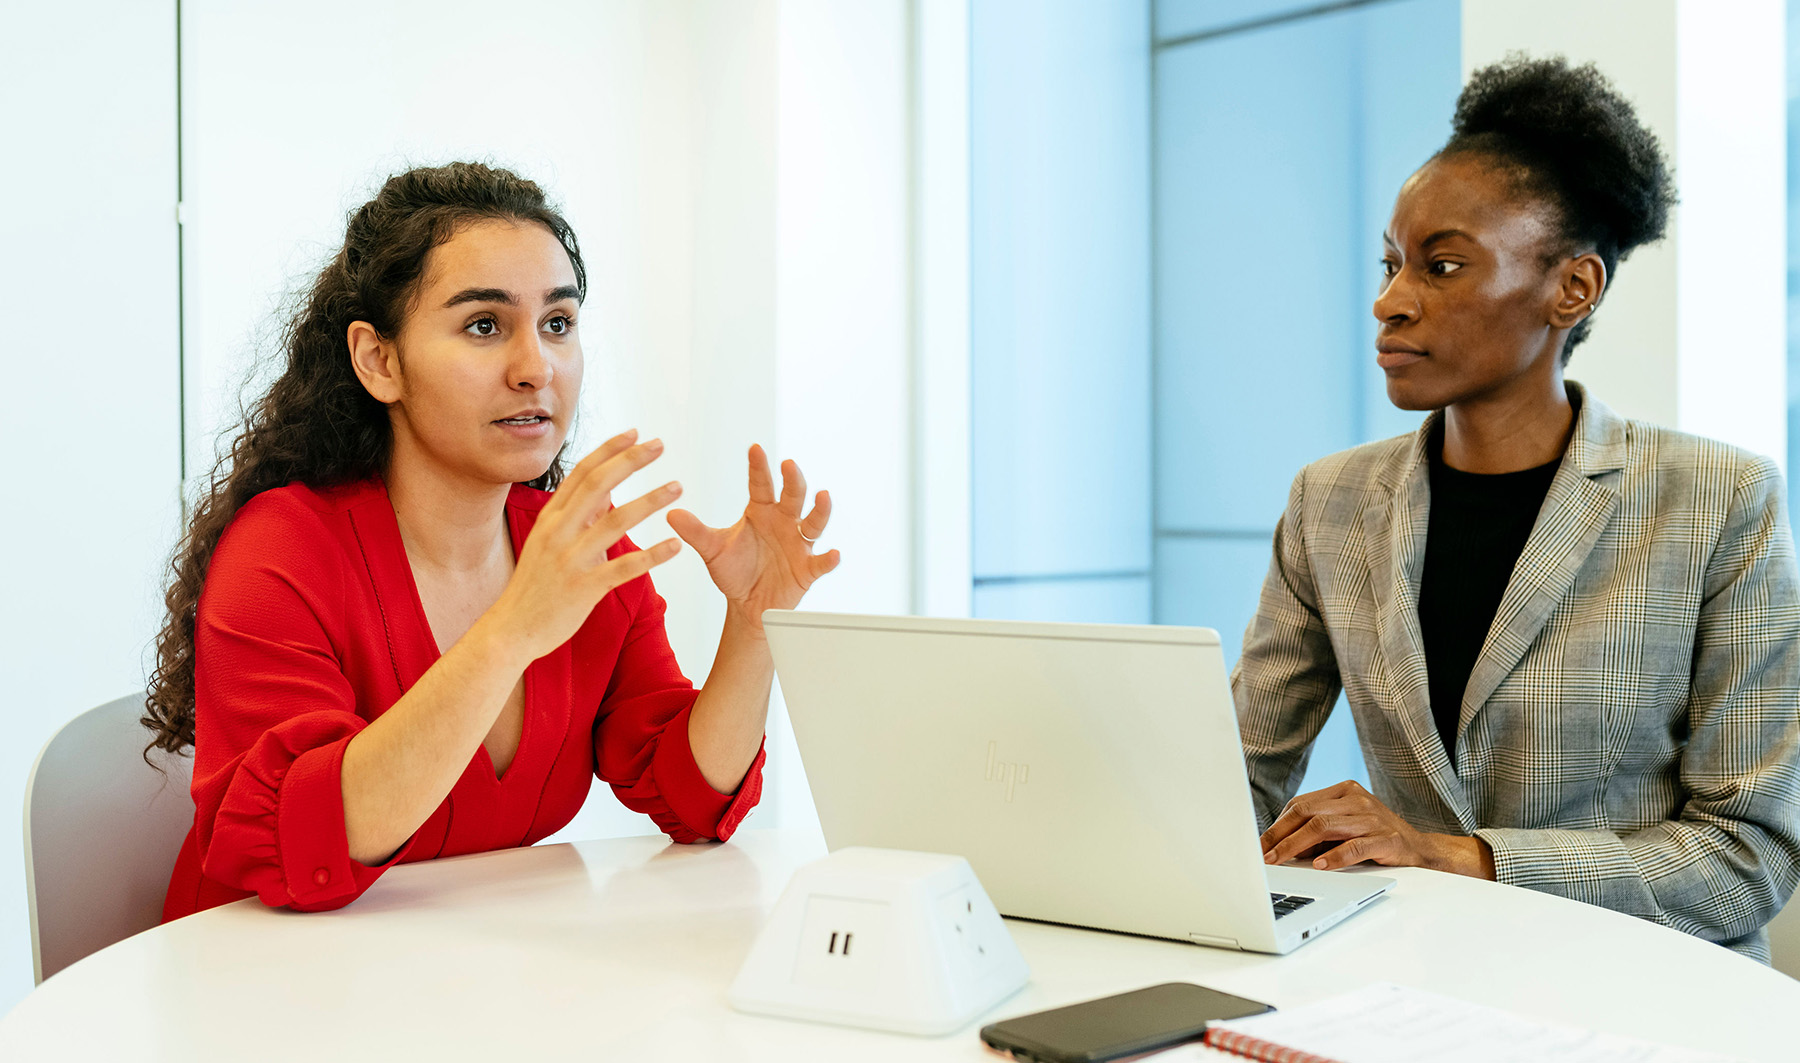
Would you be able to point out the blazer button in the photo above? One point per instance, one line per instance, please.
(321, 876)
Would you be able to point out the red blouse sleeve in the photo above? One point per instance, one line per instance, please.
(640, 736)
(273, 713)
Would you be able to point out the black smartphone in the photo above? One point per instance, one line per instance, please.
(1127, 1024)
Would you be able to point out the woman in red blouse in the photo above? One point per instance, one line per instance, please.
(388, 640)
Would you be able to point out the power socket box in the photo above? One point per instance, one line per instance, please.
(882, 938)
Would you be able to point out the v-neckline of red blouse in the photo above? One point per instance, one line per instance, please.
(422, 650)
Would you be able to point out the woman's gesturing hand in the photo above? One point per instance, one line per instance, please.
(765, 560)
(1345, 824)
(563, 571)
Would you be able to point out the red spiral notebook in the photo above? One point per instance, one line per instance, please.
(1386, 1023)
(1240, 1044)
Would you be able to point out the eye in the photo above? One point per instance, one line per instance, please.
(1389, 267)
(1444, 267)
(559, 325)
(482, 326)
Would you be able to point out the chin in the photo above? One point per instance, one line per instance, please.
(1406, 395)
(521, 469)
(538, 463)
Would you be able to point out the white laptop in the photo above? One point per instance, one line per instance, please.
(1091, 774)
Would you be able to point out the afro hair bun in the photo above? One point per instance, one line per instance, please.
(1577, 142)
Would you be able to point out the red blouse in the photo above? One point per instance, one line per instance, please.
(310, 626)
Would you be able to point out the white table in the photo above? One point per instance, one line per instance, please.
(623, 949)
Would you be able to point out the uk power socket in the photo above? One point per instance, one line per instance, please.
(971, 928)
(882, 938)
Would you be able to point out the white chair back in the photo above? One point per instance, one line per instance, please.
(102, 830)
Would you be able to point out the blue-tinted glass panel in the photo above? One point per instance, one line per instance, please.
(1336, 755)
(1211, 583)
(1410, 68)
(1793, 273)
(1108, 601)
(1260, 267)
(1060, 287)
(1178, 18)
(1216, 583)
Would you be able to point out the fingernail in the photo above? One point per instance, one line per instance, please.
(1319, 863)
(673, 487)
(654, 444)
(1268, 858)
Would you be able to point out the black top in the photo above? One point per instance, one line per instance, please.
(1479, 524)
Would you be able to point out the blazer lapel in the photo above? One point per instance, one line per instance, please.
(1576, 512)
(1397, 526)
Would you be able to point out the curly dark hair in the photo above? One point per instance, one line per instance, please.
(1570, 140)
(317, 424)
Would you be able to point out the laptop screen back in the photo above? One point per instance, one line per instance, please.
(1091, 774)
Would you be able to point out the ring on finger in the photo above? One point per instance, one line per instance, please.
(803, 535)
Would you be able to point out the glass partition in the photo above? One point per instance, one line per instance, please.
(1176, 234)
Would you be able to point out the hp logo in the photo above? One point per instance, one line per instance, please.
(1013, 775)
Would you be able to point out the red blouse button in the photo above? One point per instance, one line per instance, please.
(321, 876)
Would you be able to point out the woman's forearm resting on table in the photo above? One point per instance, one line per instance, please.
(1722, 881)
(1462, 856)
(399, 768)
(725, 729)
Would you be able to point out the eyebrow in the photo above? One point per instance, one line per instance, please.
(1436, 237)
(506, 298)
(482, 295)
(1444, 234)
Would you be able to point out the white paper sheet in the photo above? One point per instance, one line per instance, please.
(1387, 1023)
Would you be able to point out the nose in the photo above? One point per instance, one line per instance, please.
(1397, 303)
(527, 369)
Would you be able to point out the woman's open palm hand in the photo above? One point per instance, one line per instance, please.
(766, 559)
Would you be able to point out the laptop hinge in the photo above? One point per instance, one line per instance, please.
(1215, 940)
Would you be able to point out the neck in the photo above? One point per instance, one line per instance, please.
(447, 522)
(1520, 428)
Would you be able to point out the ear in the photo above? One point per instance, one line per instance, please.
(1583, 281)
(376, 361)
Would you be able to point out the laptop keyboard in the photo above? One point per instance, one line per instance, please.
(1287, 904)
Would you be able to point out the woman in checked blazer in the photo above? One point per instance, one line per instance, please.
(1571, 641)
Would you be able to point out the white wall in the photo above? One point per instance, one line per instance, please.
(841, 379)
(943, 543)
(842, 376)
(1731, 263)
(1693, 331)
(92, 448)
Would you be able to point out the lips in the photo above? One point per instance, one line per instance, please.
(1395, 355)
(528, 425)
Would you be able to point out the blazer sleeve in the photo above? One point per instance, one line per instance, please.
(1286, 680)
(641, 734)
(273, 714)
(1726, 865)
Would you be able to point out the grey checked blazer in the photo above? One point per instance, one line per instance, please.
(1630, 735)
